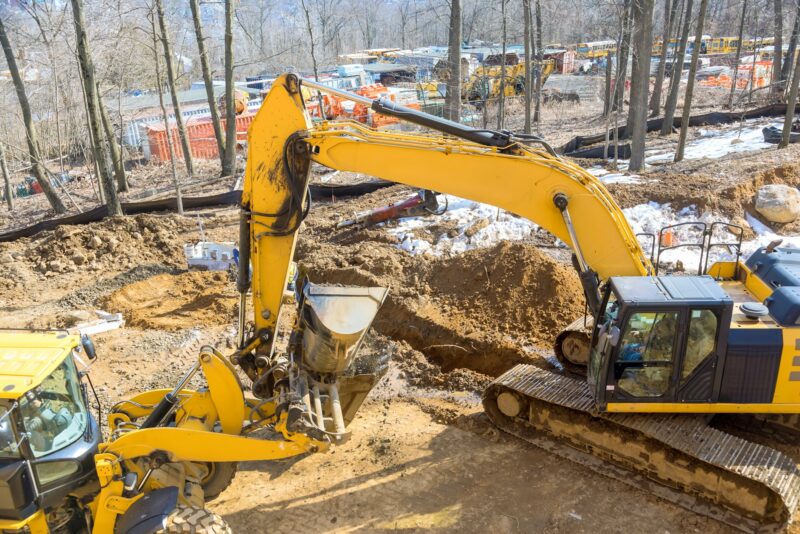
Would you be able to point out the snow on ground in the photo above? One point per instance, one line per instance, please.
(652, 217)
(469, 217)
(608, 177)
(720, 142)
(481, 225)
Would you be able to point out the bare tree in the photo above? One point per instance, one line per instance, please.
(607, 91)
(687, 98)
(173, 89)
(738, 54)
(310, 30)
(114, 147)
(31, 135)
(6, 179)
(622, 56)
(93, 107)
(640, 80)
(501, 104)
(670, 12)
(786, 68)
(526, 7)
(778, 46)
(537, 114)
(164, 114)
(229, 161)
(677, 72)
(452, 104)
(791, 102)
(207, 81)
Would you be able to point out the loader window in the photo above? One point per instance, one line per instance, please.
(644, 362)
(53, 413)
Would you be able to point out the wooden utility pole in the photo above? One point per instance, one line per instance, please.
(738, 55)
(207, 81)
(640, 81)
(30, 129)
(526, 7)
(670, 12)
(452, 101)
(677, 72)
(687, 98)
(173, 89)
(6, 179)
(229, 161)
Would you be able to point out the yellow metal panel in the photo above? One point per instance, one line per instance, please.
(718, 407)
(27, 358)
(265, 192)
(225, 390)
(36, 523)
(787, 386)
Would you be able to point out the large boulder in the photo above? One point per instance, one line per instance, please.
(778, 203)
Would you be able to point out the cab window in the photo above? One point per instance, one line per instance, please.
(701, 342)
(645, 358)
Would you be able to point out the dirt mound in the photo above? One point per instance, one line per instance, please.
(513, 287)
(174, 302)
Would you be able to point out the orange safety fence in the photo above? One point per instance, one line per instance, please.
(202, 141)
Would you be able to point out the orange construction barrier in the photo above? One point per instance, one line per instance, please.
(202, 142)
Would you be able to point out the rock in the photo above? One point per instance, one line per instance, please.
(95, 242)
(6, 258)
(55, 266)
(78, 258)
(778, 203)
(137, 236)
(476, 227)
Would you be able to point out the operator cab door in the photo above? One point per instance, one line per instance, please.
(666, 355)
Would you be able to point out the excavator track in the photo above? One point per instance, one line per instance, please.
(676, 457)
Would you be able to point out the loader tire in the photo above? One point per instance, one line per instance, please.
(189, 520)
(220, 476)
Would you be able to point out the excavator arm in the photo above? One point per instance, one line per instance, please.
(490, 167)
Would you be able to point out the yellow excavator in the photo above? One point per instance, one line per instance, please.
(484, 84)
(663, 352)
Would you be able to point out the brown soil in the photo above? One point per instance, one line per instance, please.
(173, 302)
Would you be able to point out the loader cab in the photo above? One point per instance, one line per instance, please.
(48, 437)
(658, 340)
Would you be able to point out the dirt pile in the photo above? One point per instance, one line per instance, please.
(173, 302)
(111, 245)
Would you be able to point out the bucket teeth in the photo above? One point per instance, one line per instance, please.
(750, 485)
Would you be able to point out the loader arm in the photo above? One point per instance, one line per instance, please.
(512, 176)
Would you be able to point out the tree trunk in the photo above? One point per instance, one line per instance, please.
(167, 132)
(687, 98)
(640, 82)
(501, 103)
(204, 66)
(778, 48)
(116, 152)
(6, 179)
(310, 30)
(609, 70)
(537, 114)
(452, 101)
(791, 102)
(93, 106)
(786, 68)
(229, 163)
(173, 89)
(622, 57)
(670, 11)
(738, 55)
(30, 128)
(526, 7)
(677, 72)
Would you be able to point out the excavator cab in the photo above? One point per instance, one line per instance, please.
(659, 340)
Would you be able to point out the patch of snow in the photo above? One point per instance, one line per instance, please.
(500, 226)
(714, 144)
(608, 177)
(652, 217)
